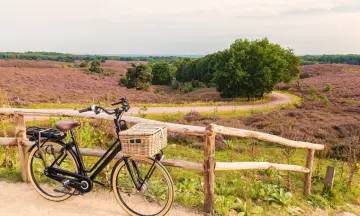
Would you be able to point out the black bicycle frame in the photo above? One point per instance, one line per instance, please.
(104, 160)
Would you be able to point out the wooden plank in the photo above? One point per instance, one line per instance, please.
(263, 136)
(167, 162)
(183, 164)
(309, 165)
(6, 141)
(178, 128)
(226, 166)
(20, 131)
(209, 174)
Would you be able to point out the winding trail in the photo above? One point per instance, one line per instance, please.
(277, 100)
(22, 200)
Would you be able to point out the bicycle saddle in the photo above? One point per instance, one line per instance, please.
(66, 125)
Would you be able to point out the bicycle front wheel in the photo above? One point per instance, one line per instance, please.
(156, 195)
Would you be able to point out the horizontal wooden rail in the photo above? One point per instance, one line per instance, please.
(7, 141)
(178, 128)
(262, 136)
(225, 166)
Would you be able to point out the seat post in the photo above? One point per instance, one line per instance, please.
(82, 168)
(73, 136)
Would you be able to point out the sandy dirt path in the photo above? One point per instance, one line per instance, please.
(21, 199)
(278, 99)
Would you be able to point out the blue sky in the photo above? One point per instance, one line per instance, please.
(177, 27)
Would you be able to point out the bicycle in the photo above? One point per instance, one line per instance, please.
(57, 171)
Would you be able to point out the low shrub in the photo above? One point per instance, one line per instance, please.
(144, 85)
(175, 84)
(83, 64)
(328, 87)
(187, 87)
(123, 81)
(192, 116)
(156, 91)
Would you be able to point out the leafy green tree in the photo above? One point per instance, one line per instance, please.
(163, 73)
(252, 68)
(83, 64)
(139, 76)
(95, 67)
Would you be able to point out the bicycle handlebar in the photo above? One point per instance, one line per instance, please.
(125, 107)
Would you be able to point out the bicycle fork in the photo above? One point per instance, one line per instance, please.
(139, 182)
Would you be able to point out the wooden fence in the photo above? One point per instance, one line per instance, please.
(208, 167)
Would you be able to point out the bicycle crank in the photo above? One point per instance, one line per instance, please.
(79, 182)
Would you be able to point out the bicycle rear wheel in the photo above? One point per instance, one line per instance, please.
(45, 186)
(157, 193)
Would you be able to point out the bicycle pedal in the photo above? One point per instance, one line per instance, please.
(102, 184)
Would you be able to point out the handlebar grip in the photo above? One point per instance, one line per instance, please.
(121, 101)
(84, 110)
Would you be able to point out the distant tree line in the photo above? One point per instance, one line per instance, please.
(246, 69)
(53, 56)
(330, 59)
(168, 59)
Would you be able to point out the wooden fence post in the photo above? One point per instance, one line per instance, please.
(309, 165)
(209, 173)
(329, 178)
(20, 132)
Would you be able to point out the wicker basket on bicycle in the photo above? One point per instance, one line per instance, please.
(143, 139)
